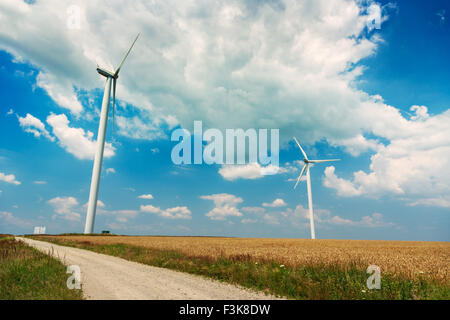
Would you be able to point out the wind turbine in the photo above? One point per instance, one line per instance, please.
(308, 180)
(110, 76)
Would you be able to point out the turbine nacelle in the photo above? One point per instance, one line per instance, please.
(106, 73)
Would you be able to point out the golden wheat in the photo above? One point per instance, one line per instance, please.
(405, 258)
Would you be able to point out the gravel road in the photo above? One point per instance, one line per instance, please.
(107, 277)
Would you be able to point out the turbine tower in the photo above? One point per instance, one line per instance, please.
(110, 76)
(308, 182)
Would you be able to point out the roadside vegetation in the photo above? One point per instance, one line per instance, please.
(313, 281)
(27, 274)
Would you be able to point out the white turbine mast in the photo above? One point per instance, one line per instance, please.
(308, 182)
(110, 76)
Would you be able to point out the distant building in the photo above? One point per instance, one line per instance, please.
(39, 230)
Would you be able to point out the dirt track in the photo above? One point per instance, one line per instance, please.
(108, 277)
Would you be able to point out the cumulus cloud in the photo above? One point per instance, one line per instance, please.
(271, 219)
(344, 188)
(110, 170)
(255, 210)
(325, 217)
(443, 202)
(35, 126)
(248, 171)
(373, 221)
(170, 213)
(120, 215)
(225, 206)
(288, 65)
(9, 218)
(64, 208)
(100, 204)
(414, 165)
(235, 57)
(275, 204)
(9, 178)
(75, 140)
(146, 196)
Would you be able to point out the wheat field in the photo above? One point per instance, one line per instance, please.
(401, 258)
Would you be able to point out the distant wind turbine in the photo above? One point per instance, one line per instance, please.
(308, 180)
(110, 76)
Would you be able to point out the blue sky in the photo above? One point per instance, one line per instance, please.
(376, 98)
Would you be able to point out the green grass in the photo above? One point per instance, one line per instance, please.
(318, 282)
(26, 273)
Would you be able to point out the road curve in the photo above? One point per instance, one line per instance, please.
(106, 277)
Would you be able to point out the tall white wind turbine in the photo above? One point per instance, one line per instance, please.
(308, 182)
(110, 76)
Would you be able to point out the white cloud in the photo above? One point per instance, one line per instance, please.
(443, 202)
(9, 178)
(344, 188)
(9, 218)
(271, 219)
(291, 66)
(100, 204)
(275, 204)
(75, 140)
(225, 206)
(221, 213)
(121, 216)
(255, 210)
(60, 89)
(325, 217)
(64, 207)
(414, 165)
(40, 182)
(136, 128)
(248, 171)
(146, 196)
(35, 126)
(373, 221)
(245, 221)
(110, 170)
(170, 213)
(207, 61)
(357, 144)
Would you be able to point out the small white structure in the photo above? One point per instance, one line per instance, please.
(39, 230)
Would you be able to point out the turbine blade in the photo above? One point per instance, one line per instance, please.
(304, 154)
(126, 55)
(320, 161)
(300, 176)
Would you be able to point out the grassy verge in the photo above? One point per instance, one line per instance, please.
(26, 273)
(301, 282)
